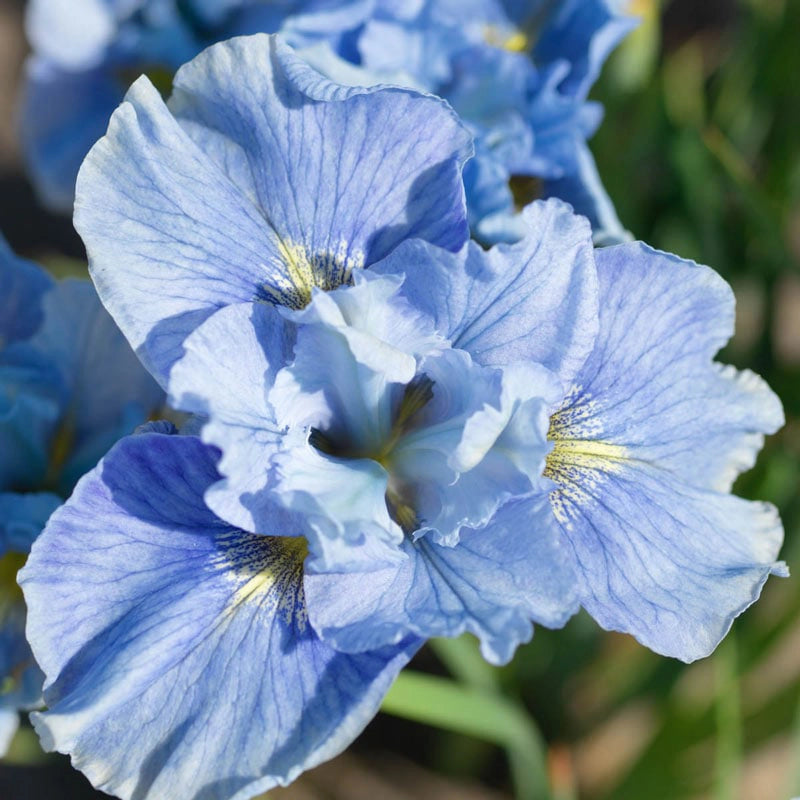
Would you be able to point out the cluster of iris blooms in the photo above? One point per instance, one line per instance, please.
(411, 403)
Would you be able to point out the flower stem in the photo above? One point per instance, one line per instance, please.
(478, 712)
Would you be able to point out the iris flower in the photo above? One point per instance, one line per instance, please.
(401, 434)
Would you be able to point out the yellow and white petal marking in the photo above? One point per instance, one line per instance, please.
(300, 270)
(515, 41)
(267, 570)
(579, 461)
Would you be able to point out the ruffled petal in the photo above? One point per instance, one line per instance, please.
(230, 362)
(669, 563)
(493, 584)
(650, 385)
(535, 300)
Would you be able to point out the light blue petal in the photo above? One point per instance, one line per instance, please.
(489, 196)
(198, 222)
(344, 502)
(190, 669)
(230, 362)
(481, 440)
(535, 300)
(354, 346)
(73, 34)
(22, 517)
(493, 584)
(418, 49)
(650, 385)
(22, 287)
(671, 564)
(582, 33)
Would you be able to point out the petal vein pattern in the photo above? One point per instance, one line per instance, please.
(646, 445)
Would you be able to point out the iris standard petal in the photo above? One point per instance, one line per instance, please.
(177, 650)
(258, 188)
(535, 300)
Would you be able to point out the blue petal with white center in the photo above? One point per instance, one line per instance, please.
(193, 221)
(374, 430)
(493, 584)
(190, 669)
(645, 445)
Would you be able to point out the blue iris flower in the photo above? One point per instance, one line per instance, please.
(452, 439)
(69, 388)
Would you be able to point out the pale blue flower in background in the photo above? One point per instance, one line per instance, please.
(86, 53)
(518, 73)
